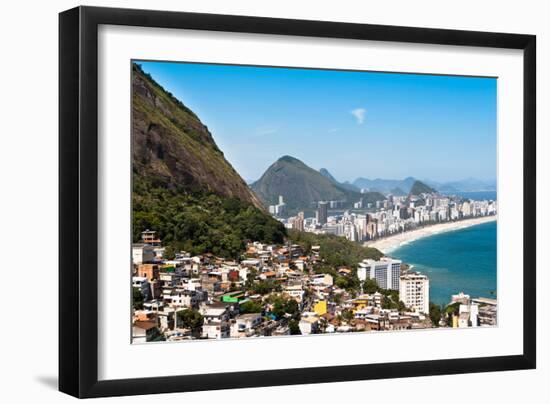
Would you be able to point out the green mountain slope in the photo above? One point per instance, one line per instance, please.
(325, 173)
(398, 192)
(345, 185)
(183, 187)
(419, 188)
(301, 186)
(173, 148)
(372, 197)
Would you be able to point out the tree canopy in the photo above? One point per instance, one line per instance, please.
(435, 314)
(198, 221)
(137, 298)
(294, 327)
(251, 307)
(335, 251)
(283, 305)
(190, 318)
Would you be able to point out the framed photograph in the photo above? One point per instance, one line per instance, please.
(251, 201)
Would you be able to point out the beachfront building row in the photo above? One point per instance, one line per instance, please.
(391, 216)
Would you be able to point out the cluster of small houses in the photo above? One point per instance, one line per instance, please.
(214, 287)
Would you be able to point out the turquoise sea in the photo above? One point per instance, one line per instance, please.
(462, 260)
(476, 195)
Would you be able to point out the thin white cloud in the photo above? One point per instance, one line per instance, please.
(266, 131)
(333, 130)
(359, 114)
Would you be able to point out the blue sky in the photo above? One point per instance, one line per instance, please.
(355, 124)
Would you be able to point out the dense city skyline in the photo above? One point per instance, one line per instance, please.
(335, 119)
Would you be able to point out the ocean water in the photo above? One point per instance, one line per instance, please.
(477, 195)
(457, 261)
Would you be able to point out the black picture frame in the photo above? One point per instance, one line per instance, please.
(78, 200)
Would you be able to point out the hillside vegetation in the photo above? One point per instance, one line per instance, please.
(335, 251)
(200, 221)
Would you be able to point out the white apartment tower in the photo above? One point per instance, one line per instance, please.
(414, 291)
(386, 272)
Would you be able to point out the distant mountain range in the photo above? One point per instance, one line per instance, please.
(385, 186)
(465, 185)
(397, 192)
(396, 187)
(346, 185)
(302, 186)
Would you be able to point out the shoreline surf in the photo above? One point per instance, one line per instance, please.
(390, 243)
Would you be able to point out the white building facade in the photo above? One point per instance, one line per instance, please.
(414, 291)
(386, 272)
(142, 253)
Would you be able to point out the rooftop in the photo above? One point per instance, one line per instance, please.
(247, 316)
(213, 311)
(145, 325)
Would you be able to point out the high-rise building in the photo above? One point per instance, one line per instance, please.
(322, 212)
(298, 223)
(414, 291)
(466, 209)
(279, 209)
(362, 223)
(371, 229)
(386, 272)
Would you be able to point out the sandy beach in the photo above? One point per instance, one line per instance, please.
(387, 244)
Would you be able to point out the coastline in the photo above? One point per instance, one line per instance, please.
(390, 243)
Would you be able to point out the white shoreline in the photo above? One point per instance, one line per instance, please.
(390, 243)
